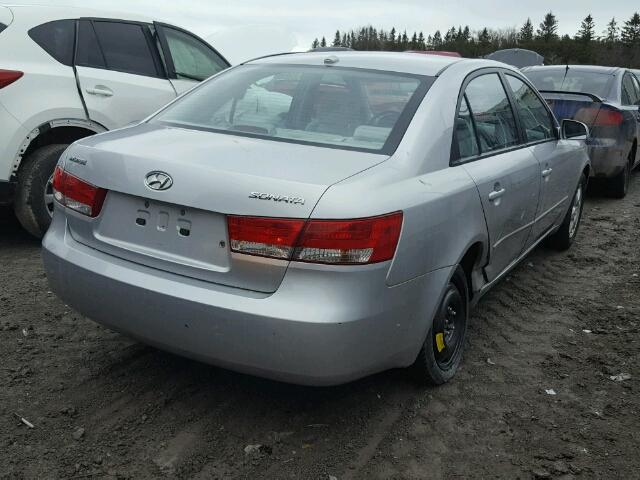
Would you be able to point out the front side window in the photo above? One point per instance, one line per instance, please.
(125, 48)
(534, 115)
(56, 38)
(192, 59)
(491, 113)
(340, 107)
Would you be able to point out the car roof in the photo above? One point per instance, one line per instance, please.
(40, 13)
(578, 68)
(405, 62)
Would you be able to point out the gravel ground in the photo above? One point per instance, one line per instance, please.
(534, 397)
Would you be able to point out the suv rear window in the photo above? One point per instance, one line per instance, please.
(56, 38)
(346, 108)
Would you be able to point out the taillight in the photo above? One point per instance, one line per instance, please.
(599, 116)
(343, 242)
(77, 194)
(608, 117)
(7, 77)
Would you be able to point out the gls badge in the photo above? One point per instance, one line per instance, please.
(277, 198)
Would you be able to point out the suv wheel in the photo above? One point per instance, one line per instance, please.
(441, 352)
(34, 193)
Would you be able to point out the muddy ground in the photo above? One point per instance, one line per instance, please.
(103, 406)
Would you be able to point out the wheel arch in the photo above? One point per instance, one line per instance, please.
(64, 130)
(471, 262)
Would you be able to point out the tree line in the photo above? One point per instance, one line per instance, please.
(617, 45)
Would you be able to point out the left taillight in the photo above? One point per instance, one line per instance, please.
(337, 242)
(7, 77)
(77, 194)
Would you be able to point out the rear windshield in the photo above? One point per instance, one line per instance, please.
(571, 81)
(346, 108)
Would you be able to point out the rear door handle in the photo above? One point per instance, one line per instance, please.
(496, 194)
(100, 90)
(546, 172)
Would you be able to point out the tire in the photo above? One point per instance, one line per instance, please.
(441, 352)
(617, 186)
(34, 176)
(566, 234)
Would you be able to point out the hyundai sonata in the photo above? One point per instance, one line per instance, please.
(318, 217)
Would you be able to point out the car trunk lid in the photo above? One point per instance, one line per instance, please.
(183, 229)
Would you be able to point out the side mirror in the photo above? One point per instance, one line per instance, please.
(574, 130)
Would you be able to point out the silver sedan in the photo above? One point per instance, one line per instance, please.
(315, 218)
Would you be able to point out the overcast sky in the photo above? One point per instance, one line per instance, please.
(243, 29)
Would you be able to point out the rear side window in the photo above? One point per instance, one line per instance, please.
(89, 53)
(491, 113)
(630, 94)
(56, 38)
(191, 58)
(534, 116)
(126, 48)
(465, 132)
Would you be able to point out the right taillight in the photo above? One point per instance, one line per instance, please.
(338, 242)
(7, 77)
(77, 194)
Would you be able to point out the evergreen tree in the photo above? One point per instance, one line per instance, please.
(337, 40)
(392, 39)
(437, 40)
(611, 33)
(421, 42)
(587, 29)
(344, 42)
(631, 31)
(323, 42)
(484, 38)
(548, 30)
(526, 32)
(414, 41)
(315, 43)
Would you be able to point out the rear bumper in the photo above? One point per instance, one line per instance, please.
(322, 326)
(607, 160)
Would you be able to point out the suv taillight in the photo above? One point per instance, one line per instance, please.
(338, 242)
(7, 77)
(77, 194)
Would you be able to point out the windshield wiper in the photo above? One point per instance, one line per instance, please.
(190, 77)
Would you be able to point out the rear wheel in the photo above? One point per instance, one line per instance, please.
(441, 352)
(617, 186)
(566, 234)
(34, 195)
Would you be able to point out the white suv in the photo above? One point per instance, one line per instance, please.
(67, 73)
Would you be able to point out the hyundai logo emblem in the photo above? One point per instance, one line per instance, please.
(158, 181)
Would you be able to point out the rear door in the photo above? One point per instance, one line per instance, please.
(188, 59)
(555, 157)
(504, 170)
(120, 72)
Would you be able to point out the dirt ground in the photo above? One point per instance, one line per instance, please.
(103, 406)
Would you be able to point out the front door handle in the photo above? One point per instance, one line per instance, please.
(496, 194)
(546, 172)
(100, 90)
